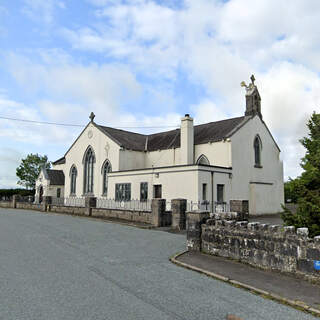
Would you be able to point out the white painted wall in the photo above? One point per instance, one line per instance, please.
(162, 158)
(48, 190)
(103, 147)
(218, 153)
(129, 160)
(244, 171)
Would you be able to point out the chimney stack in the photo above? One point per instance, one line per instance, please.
(186, 140)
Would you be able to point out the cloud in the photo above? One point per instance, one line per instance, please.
(9, 160)
(145, 46)
(39, 10)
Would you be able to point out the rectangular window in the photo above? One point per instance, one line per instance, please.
(220, 193)
(204, 191)
(143, 191)
(157, 191)
(58, 193)
(123, 192)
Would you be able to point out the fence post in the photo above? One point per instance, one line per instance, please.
(90, 202)
(178, 207)
(47, 200)
(14, 201)
(194, 221)
(158, 209)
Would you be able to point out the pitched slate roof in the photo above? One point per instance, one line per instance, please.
(204, 133)
(60, 161)
(56, 177)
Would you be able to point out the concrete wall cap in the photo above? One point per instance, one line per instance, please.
(303, 232)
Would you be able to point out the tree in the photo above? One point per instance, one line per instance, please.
(292, 189)
(29, 169)
(308, 190)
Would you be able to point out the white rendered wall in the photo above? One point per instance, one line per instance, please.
(218, 153)
(129, 160)
(103, 147)
(48, 190)
(268, 197)
(179, 182)
(162, 158)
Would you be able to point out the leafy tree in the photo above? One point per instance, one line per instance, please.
(29, 169)
(308, 190)
(292, 189)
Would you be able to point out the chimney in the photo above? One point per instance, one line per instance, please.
(186, 140)
(253, 100)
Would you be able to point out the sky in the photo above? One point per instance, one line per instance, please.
(145, 63)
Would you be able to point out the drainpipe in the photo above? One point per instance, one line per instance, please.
(212, 193)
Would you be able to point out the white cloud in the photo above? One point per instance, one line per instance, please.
(217, 44)
(9, 161)
(40, 10)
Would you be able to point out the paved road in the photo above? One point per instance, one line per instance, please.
(63, 267)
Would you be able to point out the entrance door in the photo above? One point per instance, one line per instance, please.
(40, 194)
(157, 191)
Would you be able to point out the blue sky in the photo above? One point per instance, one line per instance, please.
(146, 63)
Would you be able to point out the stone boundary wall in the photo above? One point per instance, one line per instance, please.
(266, 246)
(79, 211)
(158, 216)
(6, 204)
(128, 215)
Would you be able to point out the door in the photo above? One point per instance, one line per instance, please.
(40, 194)
(157, 191)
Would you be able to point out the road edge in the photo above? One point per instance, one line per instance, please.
(299, 305)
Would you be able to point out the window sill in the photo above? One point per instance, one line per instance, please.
(258, 166)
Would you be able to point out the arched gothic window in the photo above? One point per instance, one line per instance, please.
(88, 171)
(73, 180)
(257, 151)
(105, 170)
(203, 160)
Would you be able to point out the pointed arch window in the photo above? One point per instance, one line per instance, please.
(73, 180)
(105, 170)
(257, 151)
(203, 160)
(89, 161)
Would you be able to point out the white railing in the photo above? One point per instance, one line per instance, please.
(68, 202)
(207, 206)
(135, 205)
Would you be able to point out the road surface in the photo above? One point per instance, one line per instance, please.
(64, 267)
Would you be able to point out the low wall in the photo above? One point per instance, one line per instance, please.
(266, 246)
(129, 215)
(79, 211)
(5, 204)
(30, 206)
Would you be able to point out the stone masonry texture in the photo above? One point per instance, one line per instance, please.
(266, 246)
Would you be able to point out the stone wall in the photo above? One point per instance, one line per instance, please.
(128, 215)
(30, 206)
(79, 211)
(5, 204)
(269, 247)
(158, 217)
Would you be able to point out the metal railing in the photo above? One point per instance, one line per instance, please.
(68, 202)
(135, 205)
(29, 199)
(207, 206)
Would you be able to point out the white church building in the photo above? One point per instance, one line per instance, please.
(232, 159)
